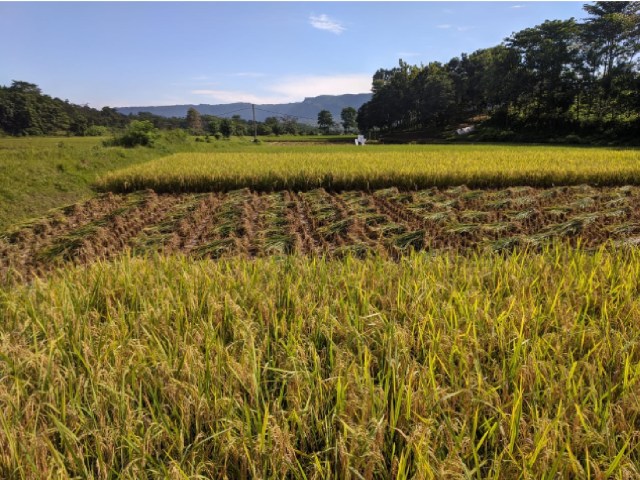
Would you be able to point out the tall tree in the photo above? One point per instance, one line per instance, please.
(325, 121)
(226, 127)
(394, 102)
(194, 121)
(290, 125)
(239, 125)
(611, 40)
(348, 116)
(547, 67)
(274, 125)
(613, 32)
(437, 95)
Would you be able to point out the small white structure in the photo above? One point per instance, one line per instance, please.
(360, 140)
(465, 130)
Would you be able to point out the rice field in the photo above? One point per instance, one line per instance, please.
(450, 366)
(335, 168)
(330, 313)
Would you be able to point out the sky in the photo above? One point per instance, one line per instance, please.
(166, 53)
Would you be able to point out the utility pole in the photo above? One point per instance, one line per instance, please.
(255, 125)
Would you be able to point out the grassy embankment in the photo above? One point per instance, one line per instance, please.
(488, 366)
(41, 173)
(405, 167)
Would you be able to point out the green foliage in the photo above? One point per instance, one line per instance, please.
(24, 110)
(96, 131)
(176, 136)
(559, 78)
(437, 95)
(271, 125)
(213, 126)
(325, 121)
(194, 122)
(238, 126)
(226, 127)
(264, 129)
(138, 133)
(348, 116)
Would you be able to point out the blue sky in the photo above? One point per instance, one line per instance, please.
(166, 53)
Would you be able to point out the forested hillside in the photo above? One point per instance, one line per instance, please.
(25, 110)
(558, 78)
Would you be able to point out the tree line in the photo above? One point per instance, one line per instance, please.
(559, 77)
(26, 111)
(199, 124)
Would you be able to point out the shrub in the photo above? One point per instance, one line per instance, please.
(139, 132)
(96, 131)
(176, 136)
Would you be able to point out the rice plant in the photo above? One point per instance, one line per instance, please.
(410, 239)
(422, 366)
(392, 167)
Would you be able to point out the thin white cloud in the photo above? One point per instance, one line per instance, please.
(447, 10)
(443, 26)
(233, 96)
(517, 6)
(141, 102)
(310, 86)
(294, 89)
(324, 22)
(464, 29)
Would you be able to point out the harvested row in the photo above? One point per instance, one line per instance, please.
(20, 246)
(388, 221)
(107, 230)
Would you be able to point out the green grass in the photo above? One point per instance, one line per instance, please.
(271, 168)
(480, 366)
(308, 139)
(37, 174)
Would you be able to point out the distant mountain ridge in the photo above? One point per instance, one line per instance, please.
(306, 111)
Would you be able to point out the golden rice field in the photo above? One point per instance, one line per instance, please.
(269, 168)
(484, 366)
(329, 312)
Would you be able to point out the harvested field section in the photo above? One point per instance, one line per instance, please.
(181, 229)
(21, 247)
(389, 221)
